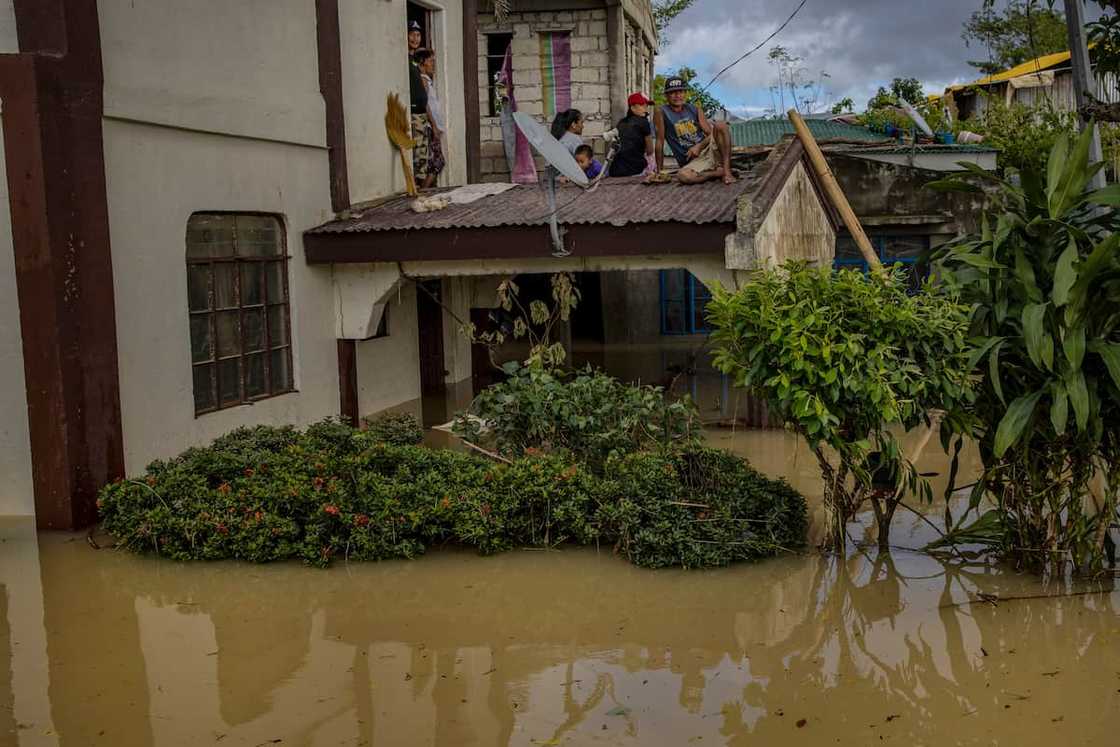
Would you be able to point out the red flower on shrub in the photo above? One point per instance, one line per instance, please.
(445, 503)
(330, 509)
(361, 520)
(221, 529)
(224, 488)
(248, 472)
(258, 515)
(318, 483)
(532, 451)
(98, 504)
(151, 481)
(484, 509)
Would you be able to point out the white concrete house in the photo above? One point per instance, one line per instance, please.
(199, 232)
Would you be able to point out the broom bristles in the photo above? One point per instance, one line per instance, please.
(397, 122)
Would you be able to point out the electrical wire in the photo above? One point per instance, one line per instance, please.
(761, 44)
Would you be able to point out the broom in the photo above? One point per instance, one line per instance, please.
(400, 133)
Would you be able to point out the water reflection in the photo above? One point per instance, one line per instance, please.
(571, 647)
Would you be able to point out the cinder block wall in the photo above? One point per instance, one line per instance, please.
(591, 77)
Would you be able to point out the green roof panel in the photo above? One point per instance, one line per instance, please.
(770, 131)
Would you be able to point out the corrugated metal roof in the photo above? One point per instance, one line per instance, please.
(616, 202)
(923, 148)
(770, 131)
(1031, 66)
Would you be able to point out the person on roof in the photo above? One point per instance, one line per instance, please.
(424, 60)
(587, 161)
(567, 127)
(635, 138)
(702, 148)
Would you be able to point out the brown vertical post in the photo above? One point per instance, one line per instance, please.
(53, 144)
(472, 113)
(330, 85)
(348, 381)
(616, 59)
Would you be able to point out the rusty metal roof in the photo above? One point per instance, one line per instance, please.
(616, 202)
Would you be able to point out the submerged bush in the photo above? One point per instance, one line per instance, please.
(397, 429)
(586, 414)
(265, 494)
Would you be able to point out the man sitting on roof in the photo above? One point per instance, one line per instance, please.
(702, 148)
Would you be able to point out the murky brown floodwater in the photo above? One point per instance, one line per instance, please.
(572, 647)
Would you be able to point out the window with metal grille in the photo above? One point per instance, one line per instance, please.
(891, 249)
(496, 46)
(237, 294)
(683, 301)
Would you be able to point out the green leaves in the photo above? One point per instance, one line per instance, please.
(1064, 274)
(1039, 347)
(1059, 408)
(1110, 354)
(1015, 421)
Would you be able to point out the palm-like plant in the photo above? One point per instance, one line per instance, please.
(1043, 278)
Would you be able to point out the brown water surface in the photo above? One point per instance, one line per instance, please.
(569, 647)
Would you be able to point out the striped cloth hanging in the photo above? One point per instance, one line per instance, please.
(556, 72)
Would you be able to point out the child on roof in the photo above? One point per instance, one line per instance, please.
(585, 157)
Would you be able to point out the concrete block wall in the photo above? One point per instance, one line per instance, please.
(591, 77)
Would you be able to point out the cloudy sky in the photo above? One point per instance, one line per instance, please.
(859, 44)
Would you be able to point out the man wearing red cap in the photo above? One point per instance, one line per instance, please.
(635, 138)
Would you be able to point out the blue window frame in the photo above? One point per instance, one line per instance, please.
(683, 301)
(891, 249)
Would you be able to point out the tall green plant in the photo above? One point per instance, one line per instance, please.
(1043, 279)
(840, 358)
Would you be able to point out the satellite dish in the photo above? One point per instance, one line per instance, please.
(916, 117)
(559, 161)
(553, 151)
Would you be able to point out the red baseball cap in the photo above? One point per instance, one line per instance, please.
(637, 98)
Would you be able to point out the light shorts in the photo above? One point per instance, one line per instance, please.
(708, 159)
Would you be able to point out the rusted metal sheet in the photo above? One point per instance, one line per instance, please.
(617, 202)
(515, 242)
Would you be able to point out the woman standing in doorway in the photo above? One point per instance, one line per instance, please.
(425, 60)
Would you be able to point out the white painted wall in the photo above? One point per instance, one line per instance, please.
(248, 67)
(16, 495)
(389, 367)
(934, 161)
(8, 39)
(374, 64)
(157, 177)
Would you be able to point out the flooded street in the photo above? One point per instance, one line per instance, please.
(569, 647)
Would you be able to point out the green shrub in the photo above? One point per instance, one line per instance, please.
(399, 430)
(700, 509)
(587, 414)
(841, 358)
(331, 492)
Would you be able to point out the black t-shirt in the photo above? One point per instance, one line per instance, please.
(417, 93)
(631, 158)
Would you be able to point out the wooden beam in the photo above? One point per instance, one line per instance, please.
(832, 189)
(54, 148)
(348, 381)
(330, 85)
(471, 111)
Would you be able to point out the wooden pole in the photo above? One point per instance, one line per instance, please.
(1084, 82)
(832, 189)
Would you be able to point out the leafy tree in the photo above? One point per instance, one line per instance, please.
(706, 101)
(1021, 31)
(664, 11)
(906, 89)
(1043, 279)
(844, 105)
(1023, 135)
(841, 358)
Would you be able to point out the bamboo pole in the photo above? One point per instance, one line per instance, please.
(832, 189)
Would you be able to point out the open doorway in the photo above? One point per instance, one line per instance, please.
(421, 15)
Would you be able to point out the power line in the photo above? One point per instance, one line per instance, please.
(762, 44)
